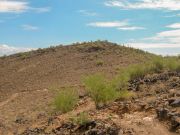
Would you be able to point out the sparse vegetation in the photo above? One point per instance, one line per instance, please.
(172, 63)
(24, 55)
(99, 89)
(99, 62)
(103, 91)
(81, 119)
(66, 100)
(157, 64)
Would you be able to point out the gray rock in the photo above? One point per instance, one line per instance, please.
(175, 103)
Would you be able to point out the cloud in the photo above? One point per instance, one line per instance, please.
(17, 6)
(40, 10)
(174, 26)
(109, 24)
(13, 6)
(120, 25)
(131, 28)
(171, 36)
(157, 48)
(172, 5)
(7, 50)
(87, 13)
(165, 42)
(29, 27)
(144, 45)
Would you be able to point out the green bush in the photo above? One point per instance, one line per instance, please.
(24, 55)
(66, 100)
(172, 63)
(80, 119)
(100, 89)
(137, 71)
(120, 82)
(157, 64)
(99, 63)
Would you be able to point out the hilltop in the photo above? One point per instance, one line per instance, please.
(63, 65)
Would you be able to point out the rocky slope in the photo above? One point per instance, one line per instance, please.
(27, 80)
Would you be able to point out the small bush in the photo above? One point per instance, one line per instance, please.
(157, 64)
(80, 119)
(172, 63)
(125, 94)
(120, 82)
(24, 55)
(99, 63)
(66, 100)
(136, 71)
(100, 89)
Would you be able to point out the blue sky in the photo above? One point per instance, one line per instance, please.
(152, 25)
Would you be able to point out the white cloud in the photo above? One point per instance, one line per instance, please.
(143, 45)
(158, 48)
(172, 5)
(40, 10)
(17, 6)
(7, 50)
(174, 26)
(131, 28)
(165, 42)
(109, 24)
(13, 6)
(87, 13)
(120, 25)
(169, 36)
(29, 27)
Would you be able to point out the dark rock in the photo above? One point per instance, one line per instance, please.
(175, 123)
(103, 130)
(171, 100)
(162, 113)
(20, 120)
(175, 103)
(35, 131)
(86, 126)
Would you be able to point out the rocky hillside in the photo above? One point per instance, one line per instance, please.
(30, 81)
(62, 65)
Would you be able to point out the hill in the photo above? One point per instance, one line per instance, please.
(30, 81)
(63, 65)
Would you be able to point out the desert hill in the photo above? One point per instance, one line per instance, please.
(30, 81)
(63, 65)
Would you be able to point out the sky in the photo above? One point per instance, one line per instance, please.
(151, 25)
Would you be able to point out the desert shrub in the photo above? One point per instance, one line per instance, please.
(81, 119)
(120, 82)
(136, 71)
(24, 55)
(99, 62)
(66, 100)
(100, 90)
(172, 63)
(157, 64)
(125, 94)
